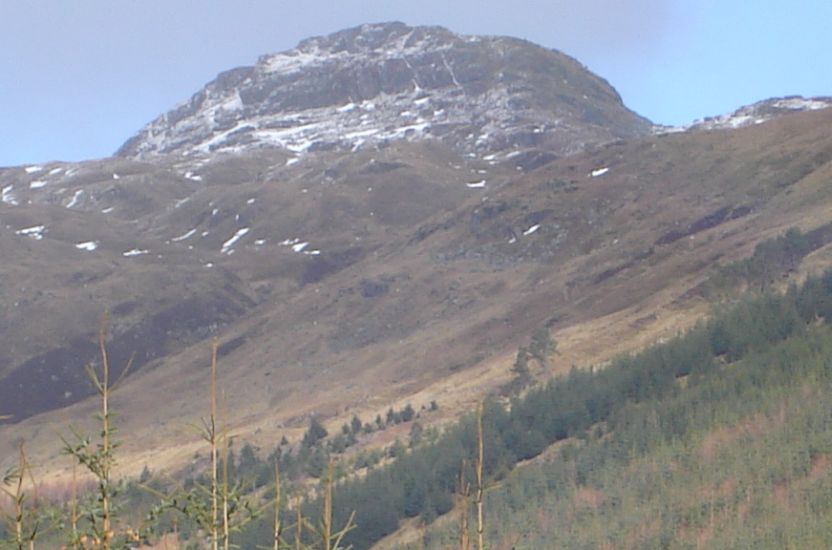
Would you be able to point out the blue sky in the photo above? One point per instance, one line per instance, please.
(79, 77)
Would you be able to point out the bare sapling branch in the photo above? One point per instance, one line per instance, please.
(464, 492)
(480, 461)
(212, 439)
(277, 525)
(24, 525)
(99, 459)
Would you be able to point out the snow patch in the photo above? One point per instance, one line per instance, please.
(362, 133)
(7, 196)
(531, 230)
(227, 245)
(35, 232)
(299, 246)
(599, 172)
(37, 184)
(187, 235)
(801, 104)
(33, 169)
(476, 185)
(75, 198)
(89, 246)
(135, 252)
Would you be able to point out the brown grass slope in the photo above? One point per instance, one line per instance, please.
(424, 287)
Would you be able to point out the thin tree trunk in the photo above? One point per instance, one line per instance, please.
(213, 441)
(328, 508)
(73, 505)
(18, 500)
(480, 460)
(464, 492)
(105, 434)
(224, 438)
(299, 526)
(277, 505)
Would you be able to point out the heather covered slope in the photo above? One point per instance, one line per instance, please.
(433, 304)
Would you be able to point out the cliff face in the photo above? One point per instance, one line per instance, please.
(380, 83)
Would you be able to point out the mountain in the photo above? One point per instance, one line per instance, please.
(382, 83)
(756, 113)
(346, 273)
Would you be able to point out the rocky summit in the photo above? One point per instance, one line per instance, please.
(379, 83)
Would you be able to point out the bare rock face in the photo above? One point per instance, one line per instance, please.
(375, 84)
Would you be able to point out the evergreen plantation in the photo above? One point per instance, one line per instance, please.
(745, 361)
(742, 362)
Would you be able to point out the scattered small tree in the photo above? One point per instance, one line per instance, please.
(22, 523)
(480, 481)
(416, 432)
(315, 433)
(220, 508)
(542, 345)
(407, 413)
(355, 425)
(99, 459)
(520, 369)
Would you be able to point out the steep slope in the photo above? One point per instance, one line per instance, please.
(386, 82)
(168, 227)
(607, 249)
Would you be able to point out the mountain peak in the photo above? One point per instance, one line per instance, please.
(378, 83)
(378, 36)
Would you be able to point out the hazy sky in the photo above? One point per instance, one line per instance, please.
(79, 77)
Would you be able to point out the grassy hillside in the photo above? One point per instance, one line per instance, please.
(720, 436)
